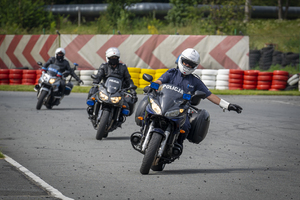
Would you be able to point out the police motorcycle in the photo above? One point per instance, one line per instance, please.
(107, 108)
(160, 115)
(47, 89)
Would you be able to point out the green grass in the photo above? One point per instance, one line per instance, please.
(1, 155)
(79, 89)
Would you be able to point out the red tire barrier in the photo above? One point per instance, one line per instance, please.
(4, 81)
(233, 80)
(30, 76)
(30, 81)
(15, 76)
(263, 87)
(4, 76)
(264, 82)
(265, 73)
(278, 87)
(15, 71)
(236, 71)
(238, 85)
(236, 76)
(264, 78)
(249, 82)
(29, 71)
(280, 77)
(250, 77)
(273, 89)
(13, 81)
(249, 87)
(279, 72)
(278, 82)
(251, 73)
(38, 72)
(4, 71)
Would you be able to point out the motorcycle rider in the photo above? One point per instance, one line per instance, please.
(113, 68)
(63, 66)
(182, 77)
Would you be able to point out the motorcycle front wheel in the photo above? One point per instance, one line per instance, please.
(101, 129)
(41, 99)
(151, 153)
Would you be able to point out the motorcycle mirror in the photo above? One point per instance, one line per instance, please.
(75, 64)
(196, 98)
(39, 63)
(147, 77)
(132, 87)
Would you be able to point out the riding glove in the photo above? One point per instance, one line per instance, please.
(235, 107)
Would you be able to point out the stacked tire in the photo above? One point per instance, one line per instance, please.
(293, 80)
(29, 77)
(264, 80)
(4, 76)
(222, 79)
(15, 76)
(142, 82)
(198, 72)
(85, 76)
(250, 79)
(254, 56)
(236, 79)
(38, 76)
(208, 77)
(279, 80)
(135, 75)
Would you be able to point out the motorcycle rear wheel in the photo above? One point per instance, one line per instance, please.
(151, 153)
(101, 129)
(41, 99)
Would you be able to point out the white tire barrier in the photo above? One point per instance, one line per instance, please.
(223, 71)
(209, 72)
(208, 77)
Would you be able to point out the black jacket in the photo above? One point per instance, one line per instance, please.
(121, 72)
(63, 66)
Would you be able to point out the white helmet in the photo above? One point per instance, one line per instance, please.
(60, 50)
(191, 57)
(113, 51)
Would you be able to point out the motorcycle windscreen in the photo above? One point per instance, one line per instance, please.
(53, 70)
(169, 96)
(113, 85)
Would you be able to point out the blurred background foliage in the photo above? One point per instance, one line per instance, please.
(227, 18)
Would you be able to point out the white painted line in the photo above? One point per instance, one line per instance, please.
(54, 192)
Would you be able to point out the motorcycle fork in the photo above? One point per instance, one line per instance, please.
(147, 138)
(163, 144)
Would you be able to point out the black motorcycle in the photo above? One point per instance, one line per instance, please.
(161, 115)
(48, 87)
(109, 106)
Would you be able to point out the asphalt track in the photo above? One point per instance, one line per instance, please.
(253, 155)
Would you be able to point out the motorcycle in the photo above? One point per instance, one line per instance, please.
(48, 87)
(161, 115)
(109, 106)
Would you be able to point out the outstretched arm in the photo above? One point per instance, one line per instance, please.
(224, 104)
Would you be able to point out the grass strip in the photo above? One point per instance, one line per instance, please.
(80, 89)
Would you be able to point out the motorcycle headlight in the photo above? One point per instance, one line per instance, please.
(103, 96)
(115, 99)
(52, 80)
(155, 107)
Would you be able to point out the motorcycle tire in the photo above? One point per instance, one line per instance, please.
(158, 167)
(151, 153)
(101, 129)
(41, 99)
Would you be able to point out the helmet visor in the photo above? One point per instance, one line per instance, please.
(188, 63)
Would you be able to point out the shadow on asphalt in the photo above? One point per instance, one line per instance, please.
(211, 171)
